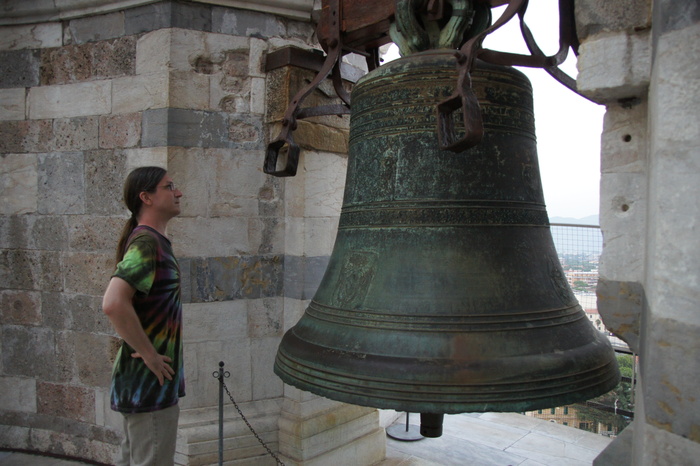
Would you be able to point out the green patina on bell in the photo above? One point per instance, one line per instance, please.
(444, 293)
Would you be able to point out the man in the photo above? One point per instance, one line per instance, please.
(143, 304)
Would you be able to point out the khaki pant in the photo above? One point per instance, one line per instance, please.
(149, 438)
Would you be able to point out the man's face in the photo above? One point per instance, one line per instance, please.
(166, 199)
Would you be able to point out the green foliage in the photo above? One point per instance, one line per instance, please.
(623, 394)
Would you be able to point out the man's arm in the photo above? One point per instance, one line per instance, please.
(117, 305)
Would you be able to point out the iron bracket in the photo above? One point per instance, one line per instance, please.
(285, 141)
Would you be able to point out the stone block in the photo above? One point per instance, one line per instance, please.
(294, 231)
(113, 58)
(203, 322)
(188, 90)
(324, 180)
(676, 79)
(16, 437)
(320, 236)
(614, 67)
(265, 318)
(24, 269)
(105, 172)
(235, 63)
(217, 45)
(193, 173)
(226, 278)
(237, 185)
(21, 68)
(247, 23)
(293, 311)
(71, 134)
(199, 434)
(265, 383)
(65, 65)
(153, 52)
(94, 367)
(225, 236)
(89, 62)
(133, 94)
(87, 273)
(670, 400)
(245, 131)
(195, 128)
(674, 15)
(19, 181)
(342, 434)
(85, 313)
(658, 446)
(168, 15)
(302, 275)
(186, 128)
(55, 314)
(596, 16)
(12, 103)
(319, 137)
(49, 233)
(104, 415)
(267, 235)
(14, 231)
(624, 139)
(257, 96)
(96, 28)
(284, 83)
(26, 136)
(93, 234)
(71, 402)
(149, 156)
(31, 36)
(622, 304)
(185, 46)
(19, 394)
(230, 93)
(20, 307)
(623, 216)
(28, 351)
(61, 183)
(70, 100)
(271, 197)
(202, 359)
(258, 51)
(119, 130)
(65, 438)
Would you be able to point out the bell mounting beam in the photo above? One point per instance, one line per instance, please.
(362, 26)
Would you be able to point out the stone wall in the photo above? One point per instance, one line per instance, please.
(640, 58)
(180, 85)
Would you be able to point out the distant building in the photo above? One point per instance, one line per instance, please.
(571, 416)
(595, 319)
(589, 278)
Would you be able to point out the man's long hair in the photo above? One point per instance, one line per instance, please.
(139, 180)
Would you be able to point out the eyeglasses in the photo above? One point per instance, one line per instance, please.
(170, 186)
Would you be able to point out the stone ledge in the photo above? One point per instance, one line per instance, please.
(615, 66)
(38, 11)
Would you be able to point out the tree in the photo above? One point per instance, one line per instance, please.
(621, 396)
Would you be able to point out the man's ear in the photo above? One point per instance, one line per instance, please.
(145, 197)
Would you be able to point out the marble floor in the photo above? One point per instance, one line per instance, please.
(483, 439)
(496, 439)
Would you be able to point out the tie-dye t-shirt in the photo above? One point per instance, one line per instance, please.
(150, 267)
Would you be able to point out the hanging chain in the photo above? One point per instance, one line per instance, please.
(221, 380)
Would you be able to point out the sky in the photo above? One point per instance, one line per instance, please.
(568, 126)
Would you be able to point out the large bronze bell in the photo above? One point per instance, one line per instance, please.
(444, 293)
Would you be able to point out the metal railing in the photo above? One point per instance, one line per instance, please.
(579, 248)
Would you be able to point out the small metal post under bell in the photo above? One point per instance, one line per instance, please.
(407, 433)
